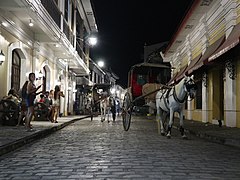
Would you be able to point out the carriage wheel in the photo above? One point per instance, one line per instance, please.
(126, 111)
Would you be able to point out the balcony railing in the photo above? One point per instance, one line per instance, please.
(67, 31)
(81, 52)
(53, 10)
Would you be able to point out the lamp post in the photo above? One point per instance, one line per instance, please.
(100, 64)
(91, 40)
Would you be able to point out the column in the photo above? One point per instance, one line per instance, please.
(204, 98)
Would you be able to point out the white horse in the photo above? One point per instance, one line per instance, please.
(170, 100)
(107, 106)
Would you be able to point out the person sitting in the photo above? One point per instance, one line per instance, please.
(13, 96)
(42, 99)
(48, 102)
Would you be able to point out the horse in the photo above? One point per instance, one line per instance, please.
(171, 100)
(107, 106)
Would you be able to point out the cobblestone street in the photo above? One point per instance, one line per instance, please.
(94, 150)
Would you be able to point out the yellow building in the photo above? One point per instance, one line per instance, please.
(206, 45)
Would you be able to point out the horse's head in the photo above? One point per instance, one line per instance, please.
(190, 86)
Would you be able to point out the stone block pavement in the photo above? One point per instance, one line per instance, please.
(12, 137)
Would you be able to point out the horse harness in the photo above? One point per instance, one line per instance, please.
(166, 94)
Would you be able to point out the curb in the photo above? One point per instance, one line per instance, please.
(211, 138)
(33, 137)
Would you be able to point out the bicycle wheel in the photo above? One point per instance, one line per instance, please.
(126, 111)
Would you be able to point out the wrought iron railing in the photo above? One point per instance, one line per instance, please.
(81, 52)
(53, 11)
(67, 31)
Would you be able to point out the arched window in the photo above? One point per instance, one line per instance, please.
(16, 69)
(44, 79)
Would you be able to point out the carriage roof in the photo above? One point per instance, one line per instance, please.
(104, 86)
(151, 65)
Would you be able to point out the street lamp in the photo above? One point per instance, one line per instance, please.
(100, 64)
(91, 40)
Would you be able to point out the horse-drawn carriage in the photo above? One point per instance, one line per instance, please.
(168, 99)
(143, 82)
(101, 101)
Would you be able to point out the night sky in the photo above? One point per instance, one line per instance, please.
(124, 26)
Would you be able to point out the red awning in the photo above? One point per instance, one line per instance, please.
(231, 41)
(193, 63)
(171, 81)
(210, 50)
(181, 73)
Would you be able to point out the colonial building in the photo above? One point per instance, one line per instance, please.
(206, 45)
(47, 37)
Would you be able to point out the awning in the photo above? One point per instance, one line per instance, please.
(231, 41)
(193, 63)
(210, 50)
(171, 81)
(181, 73)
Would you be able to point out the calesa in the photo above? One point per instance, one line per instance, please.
(171, 100)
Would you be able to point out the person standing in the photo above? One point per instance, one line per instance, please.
(23, 112)
(56, 102)
(31, 95)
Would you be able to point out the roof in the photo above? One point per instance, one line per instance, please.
(189, 23)
(151, 65)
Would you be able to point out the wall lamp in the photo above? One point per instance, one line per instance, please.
(40, 75)
(2, 57)
(30, 23)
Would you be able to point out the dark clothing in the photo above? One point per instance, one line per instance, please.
(30, 99)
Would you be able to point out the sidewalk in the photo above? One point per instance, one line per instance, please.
(212, 132)
(12, 137)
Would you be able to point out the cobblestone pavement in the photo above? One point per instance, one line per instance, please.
(94, 150)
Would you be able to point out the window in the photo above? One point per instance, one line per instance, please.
(199, 95)
(16, 69)
(66, 10)
(44, 87)
(141, 79)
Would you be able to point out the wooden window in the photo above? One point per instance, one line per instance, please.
(16, 69)
(66, 10)
(44, 80)
(199, 95)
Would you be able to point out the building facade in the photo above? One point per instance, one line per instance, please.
(47, 37)
(206, 45)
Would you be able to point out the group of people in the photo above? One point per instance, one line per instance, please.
(52, 101)
(27, 99)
